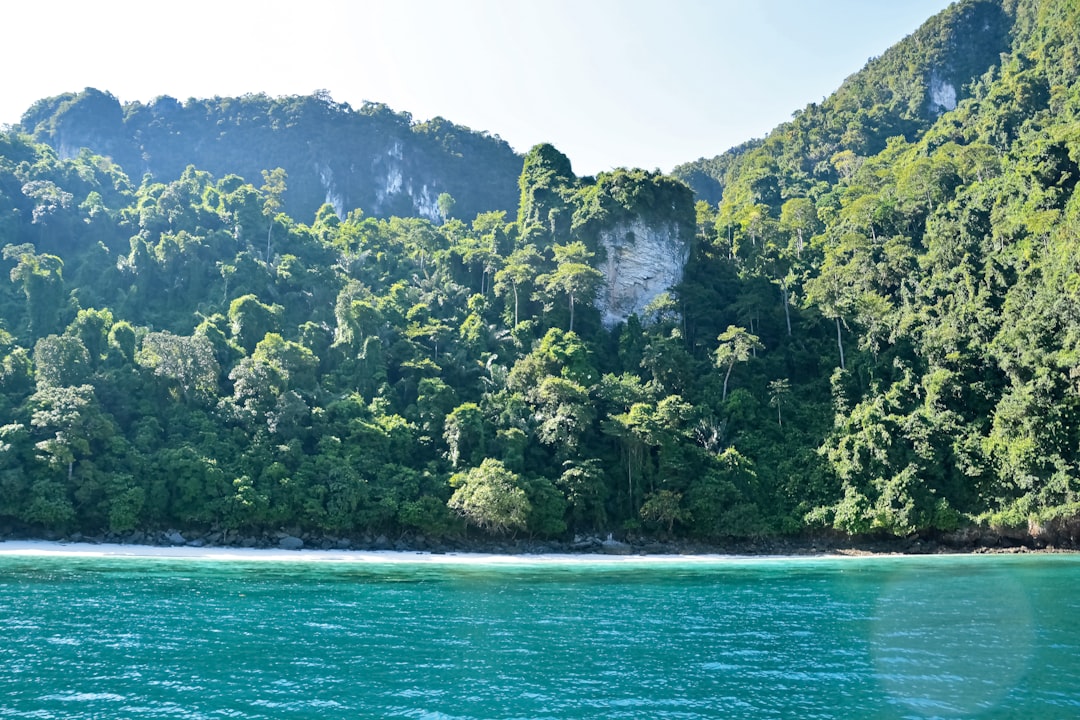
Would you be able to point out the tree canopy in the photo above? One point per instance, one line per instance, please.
(877, 329)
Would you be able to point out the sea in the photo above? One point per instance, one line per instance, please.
(463, 638)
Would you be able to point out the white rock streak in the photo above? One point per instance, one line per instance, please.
(641, 261)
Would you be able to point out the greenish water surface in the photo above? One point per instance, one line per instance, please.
(975, 636)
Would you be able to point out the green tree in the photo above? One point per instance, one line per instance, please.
(778, 393)
(664, 508)
(465, 434)
(61, 360)
(520, 270)
(445, 203)
(582, 484)
(736, 345)
(573, 276)
(70, 422)
(250, 320)
(273, 190)
(41, 277)
(93, 328)
(491, 498)
(187, 362)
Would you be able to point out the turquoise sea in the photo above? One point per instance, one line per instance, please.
(881, 637)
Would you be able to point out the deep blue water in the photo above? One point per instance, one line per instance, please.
(976, 636)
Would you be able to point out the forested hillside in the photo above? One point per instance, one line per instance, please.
(876, 331)
(370, 157)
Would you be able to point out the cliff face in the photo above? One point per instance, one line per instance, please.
(642, 259)
(370, 158)
(639, 225)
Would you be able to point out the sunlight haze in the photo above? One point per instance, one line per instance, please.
(609, 82)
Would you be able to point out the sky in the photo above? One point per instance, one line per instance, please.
(610, 83)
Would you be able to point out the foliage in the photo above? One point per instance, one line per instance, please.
(877, 330)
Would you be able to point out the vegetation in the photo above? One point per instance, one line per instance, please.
(877, 331)
(369, 157)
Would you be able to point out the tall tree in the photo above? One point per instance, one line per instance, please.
(273, 190)
(736, 346)
(573, 276)
(521, 268)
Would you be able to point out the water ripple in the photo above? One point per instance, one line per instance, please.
(827, 640)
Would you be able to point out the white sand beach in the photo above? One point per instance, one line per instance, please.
(43, 548)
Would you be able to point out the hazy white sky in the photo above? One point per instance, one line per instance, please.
(636, 83)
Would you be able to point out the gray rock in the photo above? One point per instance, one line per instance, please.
(175, 538)
(614, 547)
(290, 542)
(643, 259)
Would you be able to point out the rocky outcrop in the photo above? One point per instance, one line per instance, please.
(942, 95)
(369, 158)
(641, 260)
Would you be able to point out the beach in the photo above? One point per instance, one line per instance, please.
(47, 548)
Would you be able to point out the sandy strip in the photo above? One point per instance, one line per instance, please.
(41, 548)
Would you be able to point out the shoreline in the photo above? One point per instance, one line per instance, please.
(54, 548)
(82, 549)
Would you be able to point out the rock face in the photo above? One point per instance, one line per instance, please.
(641, 261)
(370, 157)
(942, 95)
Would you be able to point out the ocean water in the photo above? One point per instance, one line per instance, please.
(933, 637)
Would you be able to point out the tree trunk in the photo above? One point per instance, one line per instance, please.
(840, 343)
(515, 305)
(723, 398)
(787, 312)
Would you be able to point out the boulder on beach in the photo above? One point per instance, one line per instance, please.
(290, 542)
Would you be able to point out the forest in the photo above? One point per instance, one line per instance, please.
(876, 333)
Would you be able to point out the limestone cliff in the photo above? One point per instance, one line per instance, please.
(641, 260)
(370, 157)
(640, 225)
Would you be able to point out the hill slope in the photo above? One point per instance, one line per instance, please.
(370, 158)
(900, 93)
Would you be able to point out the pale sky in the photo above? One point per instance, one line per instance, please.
(610, 83)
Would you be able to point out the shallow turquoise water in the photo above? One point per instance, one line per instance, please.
(986, 637)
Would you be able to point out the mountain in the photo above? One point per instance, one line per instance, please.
(901, 93)
(370, 158)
